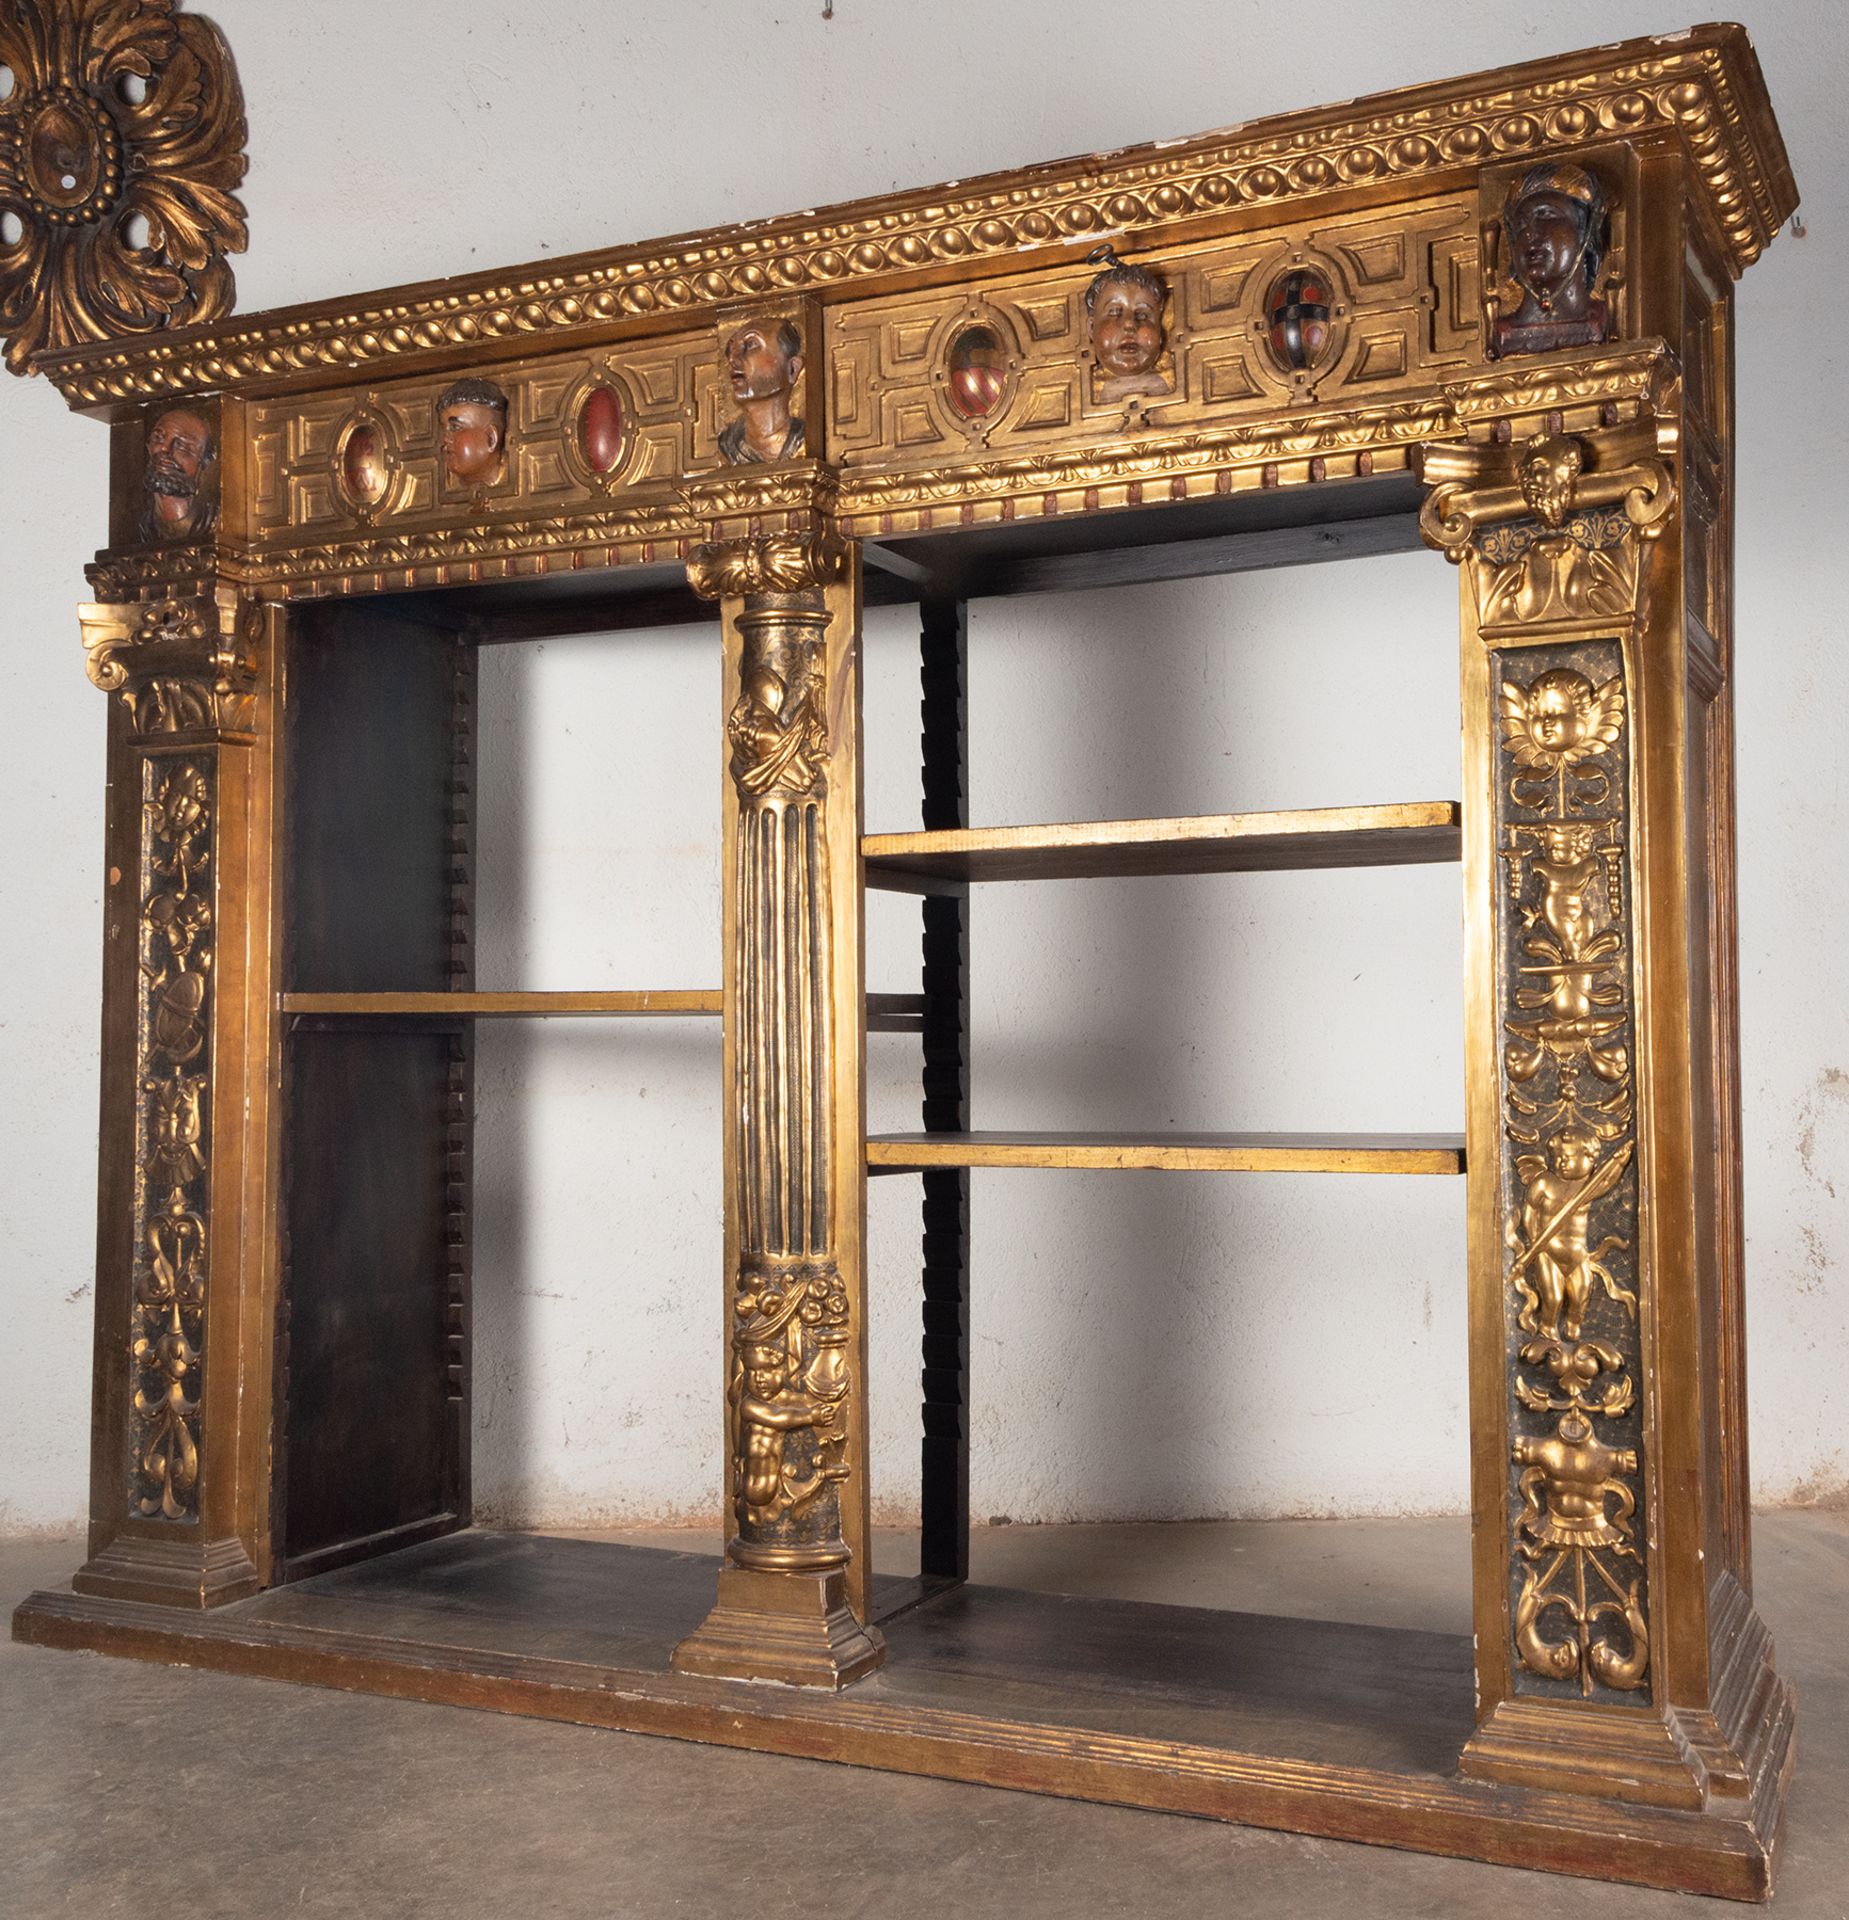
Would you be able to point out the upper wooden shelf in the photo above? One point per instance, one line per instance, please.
(1172, 1152)
(1412, 834)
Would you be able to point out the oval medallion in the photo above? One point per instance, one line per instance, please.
(977, 366)
(1297, 318)
(600, 430)
(363, 471)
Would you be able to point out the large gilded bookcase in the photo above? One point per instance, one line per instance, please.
(1491, 317)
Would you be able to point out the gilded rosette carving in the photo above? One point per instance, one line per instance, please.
(172, 1075)
(121, 146)
(791, 1350)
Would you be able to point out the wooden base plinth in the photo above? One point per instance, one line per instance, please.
(792, 1627)
(162, 1572)
(1346, 1732)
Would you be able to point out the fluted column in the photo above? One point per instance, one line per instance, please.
(793, 1596)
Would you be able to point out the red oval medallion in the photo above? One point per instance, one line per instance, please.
(600, 429)
(978, 370)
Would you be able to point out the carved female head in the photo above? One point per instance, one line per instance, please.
(1555, 222)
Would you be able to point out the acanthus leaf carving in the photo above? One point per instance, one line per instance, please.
(772, 563)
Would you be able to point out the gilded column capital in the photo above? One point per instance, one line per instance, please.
(772, 563)
(181, 666)
(1552, 526)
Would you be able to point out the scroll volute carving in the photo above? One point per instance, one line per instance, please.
(121, 146)
(1551, 528)
(180, 666)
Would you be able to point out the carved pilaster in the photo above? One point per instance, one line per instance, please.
(175, 1497)
(795, 1421)
(1588, 1612)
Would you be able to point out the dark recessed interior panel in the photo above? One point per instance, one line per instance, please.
(369, 869)
(372, 1444)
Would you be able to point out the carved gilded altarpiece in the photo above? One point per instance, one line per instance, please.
(1493, 314)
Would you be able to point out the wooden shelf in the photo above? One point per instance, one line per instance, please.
(647, 1000)
(1412, 834)
(886, 1012)
(1173, 1152)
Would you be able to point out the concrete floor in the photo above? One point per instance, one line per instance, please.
(130, 1789)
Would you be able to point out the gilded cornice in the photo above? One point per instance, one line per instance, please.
(1704, 86)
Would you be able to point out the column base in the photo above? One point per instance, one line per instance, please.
(1618, 1753)
(170, 1573)
(796, 1628)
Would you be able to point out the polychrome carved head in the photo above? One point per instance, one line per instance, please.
(1555, 226)
(763, 362)
(179, 475)
(1123, 315)
(763, 359)
(472, 426)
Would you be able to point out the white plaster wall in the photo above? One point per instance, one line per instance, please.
(1142, 1343)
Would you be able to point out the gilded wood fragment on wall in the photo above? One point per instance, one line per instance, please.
(121, 146)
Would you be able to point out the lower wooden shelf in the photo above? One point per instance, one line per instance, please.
(1348, 1732)
(490, 1006)
(886, 1012)
(1173, 1152)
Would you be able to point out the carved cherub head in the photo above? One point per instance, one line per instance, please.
(1574, 1153)
(1568, 842)
(472, 424)
(1560, 718)
(180, 475)
(767, 1368)
(1124, 320)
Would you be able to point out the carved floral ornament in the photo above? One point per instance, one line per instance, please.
(121, 141)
